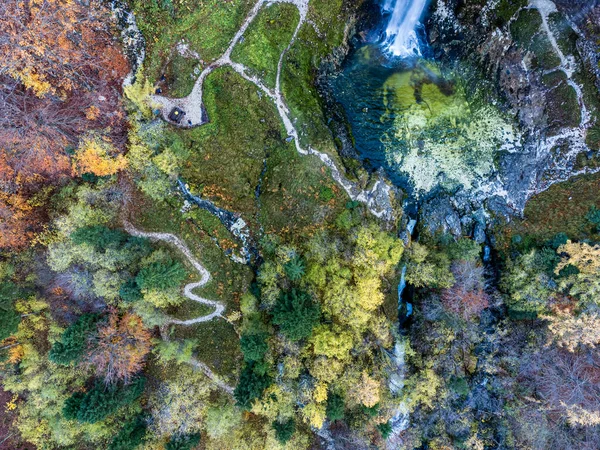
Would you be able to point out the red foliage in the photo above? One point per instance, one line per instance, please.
(467, 297)
(61, 70)
(119, 350)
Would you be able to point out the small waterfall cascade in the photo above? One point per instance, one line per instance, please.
(401, 33)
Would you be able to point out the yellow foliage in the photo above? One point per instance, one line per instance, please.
(93, 156)
(15, 354)
(314, 414)
(139, 94)
(320, 392)
(31, 80)
(11, 405)
(365, 391)
(326, 369)
(581, 255)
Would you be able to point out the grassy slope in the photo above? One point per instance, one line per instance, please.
(562, 208)
(268, 36)
(227, 155)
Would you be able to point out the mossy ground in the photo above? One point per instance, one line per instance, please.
(206, 25)
(561, 208)
(265, 40)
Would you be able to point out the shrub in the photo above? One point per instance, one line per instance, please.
(296, 314)
(183, 442)
(284, 430)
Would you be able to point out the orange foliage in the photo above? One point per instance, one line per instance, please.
(120, 348)
(94, 157)
(467, 297)
(56, 46)
(60, 75)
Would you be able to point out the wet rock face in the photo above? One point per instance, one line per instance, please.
(540, 59)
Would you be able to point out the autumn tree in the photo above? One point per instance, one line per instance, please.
(573, 332)
(119, 348)
(97, 156)
(60, 75)
(467, 297)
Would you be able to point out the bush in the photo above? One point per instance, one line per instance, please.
(161, 276)
(284, 430)
(183, 442)
(385, 429)
(251, 385)
(296, 314)
(335, 407)
(254, 346)
(130, 436)
(101, 401)
(73, 342)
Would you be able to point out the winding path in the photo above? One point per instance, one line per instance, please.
(188, 292)
(377, 199)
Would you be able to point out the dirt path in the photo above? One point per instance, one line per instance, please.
(188, 292)
(377, 199)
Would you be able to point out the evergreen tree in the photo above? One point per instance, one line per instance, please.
(131, 435)
(385, 429)
(335, 407)
(295, 268)
(99, 236)
(284, 430)
(296, 314)
(130, 292)
(251, 385)
(254, 346)
(161, 275)
(101, 401)
(74, 340)
(10, 317)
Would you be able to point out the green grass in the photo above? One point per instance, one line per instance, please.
(227, 154)
(265, 40)
(180, 76)
(218, 346)
(207, 25)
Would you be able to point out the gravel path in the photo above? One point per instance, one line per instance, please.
(188, 292)
(377, 199)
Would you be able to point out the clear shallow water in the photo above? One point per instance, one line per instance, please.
(418, 125)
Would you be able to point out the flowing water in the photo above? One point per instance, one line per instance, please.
(401, 33)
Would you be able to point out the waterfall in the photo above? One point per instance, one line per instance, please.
(401, 33)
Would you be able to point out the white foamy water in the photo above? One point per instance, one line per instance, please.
(401, 35)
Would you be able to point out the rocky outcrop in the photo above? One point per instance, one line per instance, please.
(539, 59)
